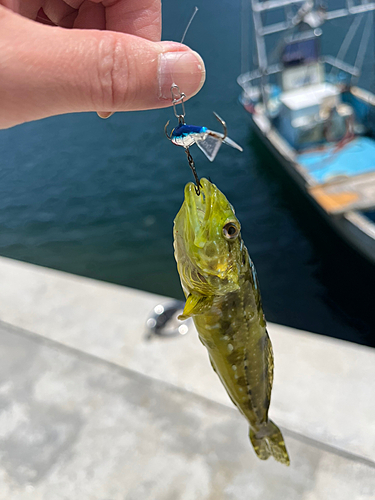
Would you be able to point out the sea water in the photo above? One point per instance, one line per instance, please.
(98, 198)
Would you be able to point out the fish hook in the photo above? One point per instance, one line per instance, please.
(223, 124)
(189, 159)
(169, 136)
(192, 166)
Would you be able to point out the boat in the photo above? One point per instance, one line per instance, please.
(310, 112)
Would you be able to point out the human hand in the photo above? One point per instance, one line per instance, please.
(111, 60)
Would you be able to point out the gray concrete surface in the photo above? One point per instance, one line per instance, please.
(89, 409)
(75, 427)
(323, 388)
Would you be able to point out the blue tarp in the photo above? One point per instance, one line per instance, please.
(357, 157)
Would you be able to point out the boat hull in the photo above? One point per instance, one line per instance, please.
(351, 226)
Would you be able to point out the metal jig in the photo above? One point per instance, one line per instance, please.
(208, 141)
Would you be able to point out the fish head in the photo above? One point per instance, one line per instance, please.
(208, 247)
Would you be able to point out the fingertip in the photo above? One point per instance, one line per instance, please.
(183, 68)
(104, 114)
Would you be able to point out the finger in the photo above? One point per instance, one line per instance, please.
(12, 4)
(29, 9)
(104, 114)
(86, 15)
(60, 13)
(91, 15)
(46, 71)
(136, 17)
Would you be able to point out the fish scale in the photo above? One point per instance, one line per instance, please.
(222, 291)
(238, 336)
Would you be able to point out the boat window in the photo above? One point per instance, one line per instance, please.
(300, 52)
(302, 76)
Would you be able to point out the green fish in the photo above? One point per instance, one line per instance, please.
(223, 297)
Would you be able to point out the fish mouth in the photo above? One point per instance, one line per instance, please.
(202, 228)
(198, 206)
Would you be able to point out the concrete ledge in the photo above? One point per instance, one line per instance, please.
(73, 426)
(323, 387)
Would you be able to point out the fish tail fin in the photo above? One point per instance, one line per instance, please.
(269, 441)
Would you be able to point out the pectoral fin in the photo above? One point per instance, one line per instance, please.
(195, 304)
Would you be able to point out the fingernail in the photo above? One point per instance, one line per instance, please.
(104, 114)
(185, 69)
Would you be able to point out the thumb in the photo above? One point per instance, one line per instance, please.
(47, 70)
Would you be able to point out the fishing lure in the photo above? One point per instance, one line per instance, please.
(207, 140)
(184, 135)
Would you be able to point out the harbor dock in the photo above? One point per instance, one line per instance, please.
(91, 408)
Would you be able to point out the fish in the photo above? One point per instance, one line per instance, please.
(223, 298)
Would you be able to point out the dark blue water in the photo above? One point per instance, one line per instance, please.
(98, 198)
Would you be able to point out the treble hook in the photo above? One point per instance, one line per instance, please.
(169, 136)
(180, 122)
(223, 124)
(192, 166)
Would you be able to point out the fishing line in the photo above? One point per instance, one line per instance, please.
(177, 95)
(178, 99)
(189, 23)
(208, 141)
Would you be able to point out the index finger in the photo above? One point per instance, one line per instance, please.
(136, 17)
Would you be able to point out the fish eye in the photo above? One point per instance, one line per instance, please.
(230, 231)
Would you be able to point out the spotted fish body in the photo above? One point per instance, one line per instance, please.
(222, 291)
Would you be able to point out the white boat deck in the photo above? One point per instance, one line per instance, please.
(343, 194)
(309, 96)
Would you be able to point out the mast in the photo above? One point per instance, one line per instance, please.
(295, 13)
(261, 49)
(245, 42)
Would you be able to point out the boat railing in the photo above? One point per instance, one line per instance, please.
(307, 6)
(257, 74)
(350, 9)
(341, 65)
(245, 80)
(308, 14)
